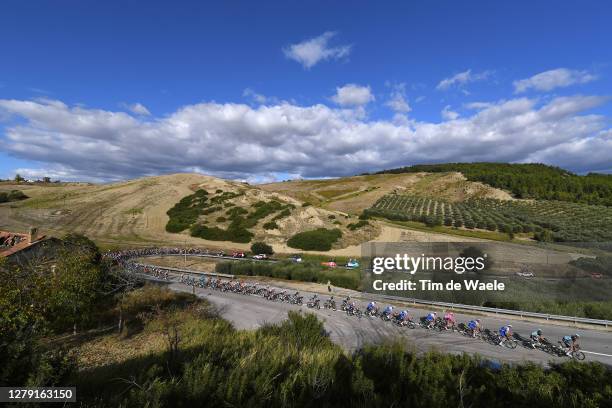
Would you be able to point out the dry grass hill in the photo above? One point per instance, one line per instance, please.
(134, 212)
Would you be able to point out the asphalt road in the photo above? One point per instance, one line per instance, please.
(250, 312)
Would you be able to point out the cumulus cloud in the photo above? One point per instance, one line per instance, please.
(555, 78)
(462, 78)
(398, 102)
(448, 114)
(137, 108)
(353, 95)
(312, 51)
(243, 142)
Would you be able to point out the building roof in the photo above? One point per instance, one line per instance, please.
(13, 242)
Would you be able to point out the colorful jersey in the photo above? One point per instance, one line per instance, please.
(504, 331)
(430, 317)
(473, 324)
(388, 309)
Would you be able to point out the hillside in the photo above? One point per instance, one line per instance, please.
(531, 180)
(135, 212)
(354, 194)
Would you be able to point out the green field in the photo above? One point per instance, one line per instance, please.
(567, 222)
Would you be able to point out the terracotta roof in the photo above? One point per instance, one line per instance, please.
(24, 243)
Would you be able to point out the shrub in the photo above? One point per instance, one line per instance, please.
(306, 204)
(186, 212)
(221, 219)
(270, 225)
(357, 225)
(232, 233)
(320, 239)
(261, 248)
(16, 195)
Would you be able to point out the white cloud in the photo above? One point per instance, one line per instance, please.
(397, 101)
(137, 108)
(353, 95)
(310, 52)
(555, 78)
(241, 142)
(448, 114)
(462, 78)
(477, 105)
(256, 97)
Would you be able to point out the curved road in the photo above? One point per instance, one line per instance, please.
(250, 312)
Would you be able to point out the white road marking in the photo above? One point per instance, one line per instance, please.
(599, 354)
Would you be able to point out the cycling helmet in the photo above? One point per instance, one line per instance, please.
(510, 325)
(539, 332)
(478, 320)
(576, 335)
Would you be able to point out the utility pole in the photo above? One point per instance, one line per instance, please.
(185, 264)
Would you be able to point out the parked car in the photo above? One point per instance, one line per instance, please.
(525, 274)
(352, 263)
(329, 264)
(238, 255)
(596, 275)
(296, 258)
(260, 256)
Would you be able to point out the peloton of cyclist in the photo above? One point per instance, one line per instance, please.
(571, 343)
(505, 333)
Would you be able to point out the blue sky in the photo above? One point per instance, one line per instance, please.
(260, 91)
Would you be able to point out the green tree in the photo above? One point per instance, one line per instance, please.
(261, 248)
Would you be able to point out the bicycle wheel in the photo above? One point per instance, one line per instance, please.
(511, 344)
(579, 355)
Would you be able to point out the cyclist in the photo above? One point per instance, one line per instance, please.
(431, 319)
(371, 307)
(449, 319)
(388, 311)
(474, 326)
(571, 343)
(505, 333)
(537, 337)
(403, 315)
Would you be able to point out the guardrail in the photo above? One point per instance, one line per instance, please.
(520, 313)
(190, 271)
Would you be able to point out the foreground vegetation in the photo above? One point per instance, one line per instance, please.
(545, 220)
(531, 180)
(153, 347)
(294, 364)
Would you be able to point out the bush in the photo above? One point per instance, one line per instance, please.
(186, 212)
(357, 225)
(306, 204)
(232, 233)
(320, 239)
(221, 219)
(270, 225)
(16, 195)
(261, 248)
